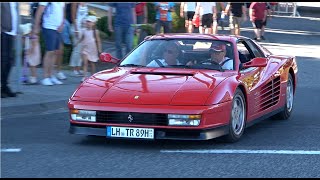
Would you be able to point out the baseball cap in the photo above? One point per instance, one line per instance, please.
(217, 47)
(91, 18)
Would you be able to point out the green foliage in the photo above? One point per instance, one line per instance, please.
(67, 54)
(177, 21)
(102, 25)
(148, 29)
(92, 13)
(151, 13)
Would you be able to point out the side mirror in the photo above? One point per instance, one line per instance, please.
(106, 57)
(255, 62)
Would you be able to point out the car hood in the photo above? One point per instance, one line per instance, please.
(154, 87)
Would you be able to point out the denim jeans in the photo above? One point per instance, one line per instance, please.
(66, 33)
(123, 34)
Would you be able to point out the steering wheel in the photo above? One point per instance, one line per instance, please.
(209, 61)
(212, 63)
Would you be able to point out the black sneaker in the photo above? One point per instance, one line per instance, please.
(255, 38)
(3, 95)
(262, 37)
(7, 92)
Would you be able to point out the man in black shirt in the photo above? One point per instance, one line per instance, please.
(237, 11)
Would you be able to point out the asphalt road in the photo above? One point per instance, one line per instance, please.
(44, 148)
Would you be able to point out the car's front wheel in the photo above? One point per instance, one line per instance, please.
(238, 117)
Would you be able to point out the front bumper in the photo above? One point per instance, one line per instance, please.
(160, 133)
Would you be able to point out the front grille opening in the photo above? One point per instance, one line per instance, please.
(132, 118)
(184, 134)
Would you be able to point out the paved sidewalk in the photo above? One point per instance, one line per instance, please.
(39, 98)
(35, 98)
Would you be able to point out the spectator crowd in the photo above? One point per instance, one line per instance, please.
(61, 24)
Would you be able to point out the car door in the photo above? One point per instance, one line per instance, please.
(265, 88)
(248, 76)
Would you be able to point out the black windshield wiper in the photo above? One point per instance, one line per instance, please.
(210, 67)
(179, 66)
(131, 65)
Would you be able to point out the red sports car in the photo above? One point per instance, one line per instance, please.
(187, 87)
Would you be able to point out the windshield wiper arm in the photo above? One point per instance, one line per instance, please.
(179, 66)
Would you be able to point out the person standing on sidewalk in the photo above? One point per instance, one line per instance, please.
(65, 36)
(163, 16)
(91, 46)
(32, 51)
(79, 12)
(208, 17)
(52, 25)
(257, 14)
(238, 14)
(142, 12)
(9, 16)
(125, 17)
(187, 11)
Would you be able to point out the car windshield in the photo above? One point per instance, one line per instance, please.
(182, 53)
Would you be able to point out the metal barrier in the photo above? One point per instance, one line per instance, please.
(286, 8)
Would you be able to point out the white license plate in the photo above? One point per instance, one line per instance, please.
(129, 132)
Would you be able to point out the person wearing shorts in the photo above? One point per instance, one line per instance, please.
(257, 14)
(237, 11)
(187, 11)
(208, 17)
(52, 26)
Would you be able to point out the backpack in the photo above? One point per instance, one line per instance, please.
(33, 9)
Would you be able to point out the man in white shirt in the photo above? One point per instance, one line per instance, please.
(52, 25)
(187, 11)
(218, 54)
(208, 16)
(170, 55)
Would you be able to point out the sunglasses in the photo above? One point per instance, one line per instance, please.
(171, 52)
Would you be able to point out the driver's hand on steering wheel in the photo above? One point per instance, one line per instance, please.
(190, 63)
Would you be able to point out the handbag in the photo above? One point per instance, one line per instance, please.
(196, 21)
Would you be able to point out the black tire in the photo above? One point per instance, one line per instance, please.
(238, 117)
(286, 113)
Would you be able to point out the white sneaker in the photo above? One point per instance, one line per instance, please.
(46, 82)
(33, 80)
(54, 80)
(76, 73)
(83, 79)
(61, 76)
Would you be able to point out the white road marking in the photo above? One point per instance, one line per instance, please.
(230, 151)
(11, 150)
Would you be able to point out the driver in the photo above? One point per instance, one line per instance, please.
(170, 54)
(218, 55)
